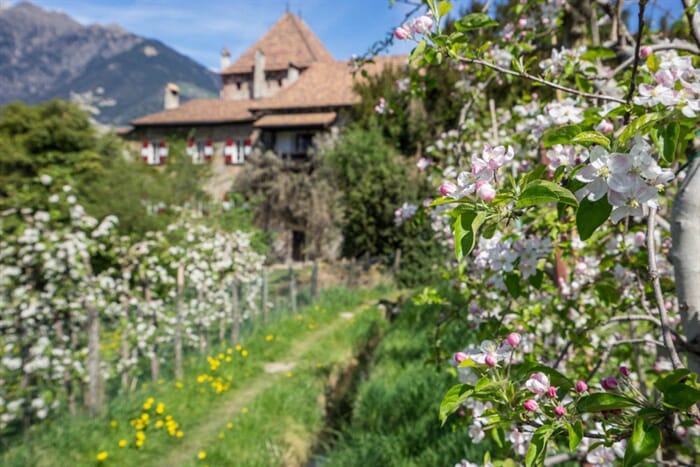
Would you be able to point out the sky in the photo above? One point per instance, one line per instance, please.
(201, 28)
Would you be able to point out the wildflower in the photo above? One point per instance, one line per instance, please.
(102, 456)
(624, 371)
(560, 410)
(269, 337)
(552, 392)
(229, 425)
(238, 348)
(179, 434)
(244, 353)
(581, 386)
(202, 455)
(122, 443)
(531, 405)
(114, 423)
(402, 33)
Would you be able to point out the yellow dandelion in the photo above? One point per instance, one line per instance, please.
(229, 351)
(178, 385)
(139, 443)
(159, 424)
(238, 348)
(114, 423)
(269, 337)
(289, 374)
(179, 434)
(220, 356)
(221, 435)
(229, 425)
(122, 443)
(102, 456)
(202, 455)
(244, 353)
(244, 410)
(229, 359)
(160, 408)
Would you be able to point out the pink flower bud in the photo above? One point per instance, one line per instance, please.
(560, 411)
(447, 188)
(605, 126)
(645, 51)
(522, 22)
(531, 405)
(609, 384)
(486, 192)
(402, 33)
(514, 339)
(490, 360)
(422, 24)
(552, 391)
(581, 386)
(624, 371)
(460, 357)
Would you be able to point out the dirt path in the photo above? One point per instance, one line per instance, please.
(206, 432)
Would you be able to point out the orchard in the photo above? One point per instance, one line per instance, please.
(572, 195)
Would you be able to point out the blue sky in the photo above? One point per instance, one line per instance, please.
(201, 28)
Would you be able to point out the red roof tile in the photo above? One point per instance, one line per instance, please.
(288, 41)
(200, 111)
(295, 120)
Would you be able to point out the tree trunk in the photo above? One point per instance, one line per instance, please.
(202, 328)
(125, 344)
(685, 232)
(178, 322)
(235, 314)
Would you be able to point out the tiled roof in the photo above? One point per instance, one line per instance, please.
(326, 84)
(288, 41)
(200, 111)
(295, 120)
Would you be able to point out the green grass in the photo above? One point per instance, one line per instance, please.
(395, 416)
(285, 416)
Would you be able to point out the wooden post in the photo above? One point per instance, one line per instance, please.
(292, 290)
(94, 396)
(264, 297)
(235, 313)
(397, 263)
(178, 321)
(202, 329)
(152, 348)
(314, 281)
(125, 342)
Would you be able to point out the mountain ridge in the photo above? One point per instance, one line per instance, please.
(115, 74)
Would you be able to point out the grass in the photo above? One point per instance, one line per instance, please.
(280, 422)
(395, 416)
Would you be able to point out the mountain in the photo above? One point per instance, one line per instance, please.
(114, 74)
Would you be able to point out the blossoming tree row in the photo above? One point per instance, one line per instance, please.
(568, 186)
(82, 307)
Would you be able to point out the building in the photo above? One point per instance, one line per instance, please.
(277, 96)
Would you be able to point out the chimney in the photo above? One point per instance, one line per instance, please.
(171, 99)
(225, 58)
(259, 75)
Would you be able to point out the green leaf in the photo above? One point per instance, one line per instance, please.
(638, 126)
(444, 8)
(538, 446)
(643, 443)
(591, 137)
(669, 137)
(582, 83)
(593, 53)
(590, 215)
(466, 228)
(560, 135)
(535, 174)
(653, 62)
(453, 399)
(681, 396)
(544, 191)
(575, 434)
(606, 289)
(671, 378)
(474, 21)
(601, 401)
(536, 279)
(418, 51)
(512, 281)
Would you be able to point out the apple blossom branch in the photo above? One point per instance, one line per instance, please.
(635, 63)
(537, 79)
(693, 20)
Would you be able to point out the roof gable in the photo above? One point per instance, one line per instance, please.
(289, 40)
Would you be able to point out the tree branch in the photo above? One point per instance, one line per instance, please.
(537, 79)
(656, 284)
(693, 21)
(635, 63)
